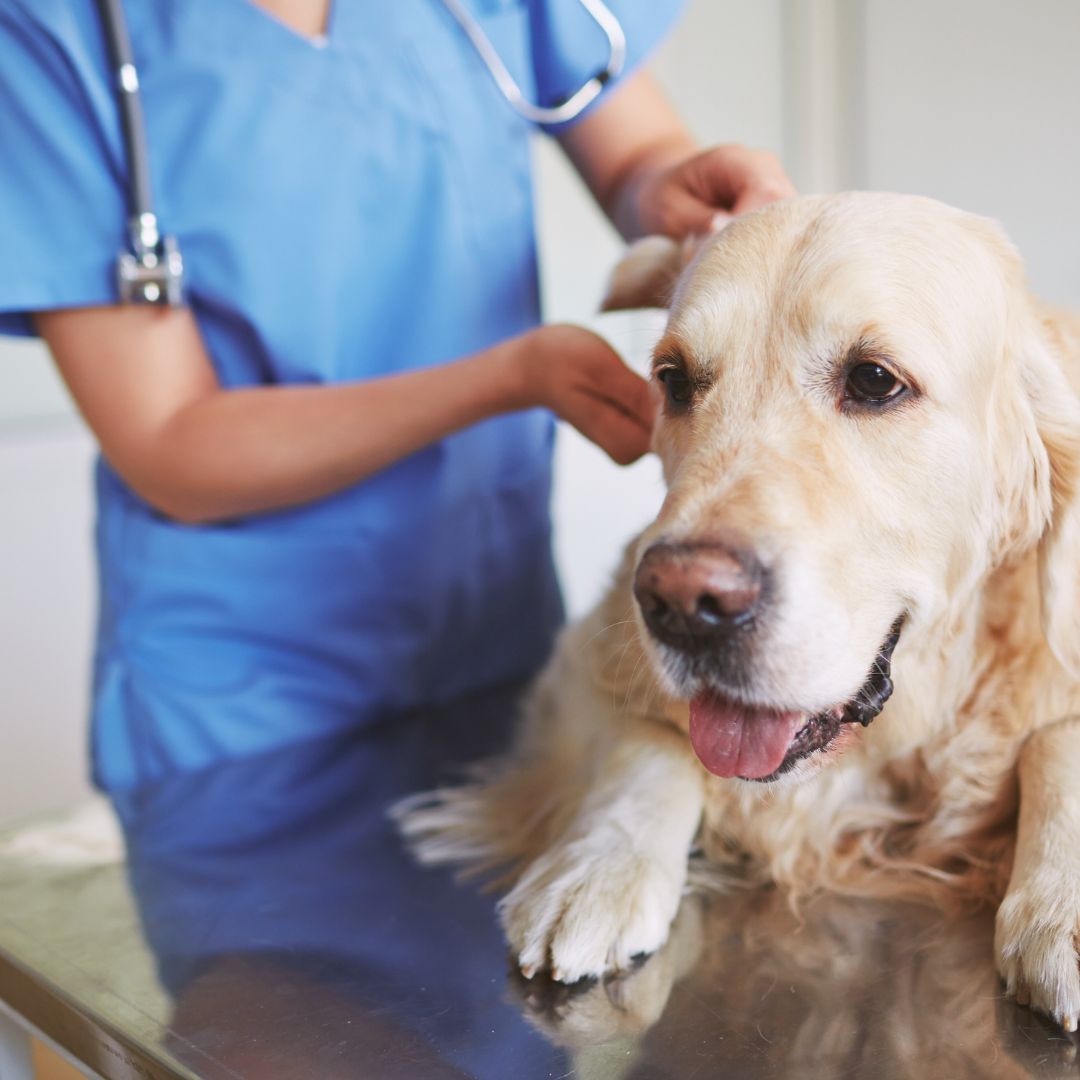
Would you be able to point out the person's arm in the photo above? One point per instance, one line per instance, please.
(200, 453)
(648, 174)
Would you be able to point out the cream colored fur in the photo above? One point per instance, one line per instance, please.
(961, 510)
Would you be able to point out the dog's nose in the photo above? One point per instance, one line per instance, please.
(692, 594)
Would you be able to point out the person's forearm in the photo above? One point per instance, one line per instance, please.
(631, 137)
(623, 204)
(199, 453)
(245, 451)
(645, 170)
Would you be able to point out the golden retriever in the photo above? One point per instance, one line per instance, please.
(845, 654)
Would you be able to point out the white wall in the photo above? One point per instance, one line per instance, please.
(46, 611)
(974, 101)
(977, 102)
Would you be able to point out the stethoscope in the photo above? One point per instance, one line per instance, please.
(151, 269)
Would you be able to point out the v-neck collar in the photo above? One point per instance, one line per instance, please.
(317, 41)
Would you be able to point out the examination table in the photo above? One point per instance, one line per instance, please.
(266, 923)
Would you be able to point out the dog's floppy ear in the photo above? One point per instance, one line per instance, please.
(1041, 422)
(1057, 417)
(646, 274)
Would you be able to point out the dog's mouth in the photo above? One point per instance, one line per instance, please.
(757, 742)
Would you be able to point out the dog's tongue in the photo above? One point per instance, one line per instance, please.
(739, 740)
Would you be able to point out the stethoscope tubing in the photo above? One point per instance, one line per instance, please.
(577, 102)
(129, 102)
(157, 259)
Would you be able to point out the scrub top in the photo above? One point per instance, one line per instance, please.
(348, 207)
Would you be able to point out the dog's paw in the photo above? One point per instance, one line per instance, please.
(619, 1006)
(590, 906)
(1035, 943)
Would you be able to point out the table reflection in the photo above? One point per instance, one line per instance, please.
(299, 939)
(296, 935)
(747, 988)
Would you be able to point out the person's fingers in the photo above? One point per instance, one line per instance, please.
(684, 212)
(737, 178)
(642, 403)
(596, 368)
(704, 194)
(626, 446)
(615, 414)
(595, 391)
(625, 390)
(762, 191)
(622, 437)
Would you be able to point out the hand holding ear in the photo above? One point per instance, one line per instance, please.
(577, 375)
(704, 192)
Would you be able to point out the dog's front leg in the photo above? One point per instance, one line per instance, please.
(1038, 923)
(608, 889)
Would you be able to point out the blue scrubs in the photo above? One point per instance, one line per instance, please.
(346, 209)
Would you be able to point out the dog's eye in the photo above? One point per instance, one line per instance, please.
(678, 386)
(872, 382)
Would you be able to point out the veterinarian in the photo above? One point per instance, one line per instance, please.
(323, 491)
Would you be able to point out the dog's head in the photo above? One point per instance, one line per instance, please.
(862, 415)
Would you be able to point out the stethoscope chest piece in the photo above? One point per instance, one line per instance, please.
(152, 272)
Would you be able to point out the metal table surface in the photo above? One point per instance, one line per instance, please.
(267, 923)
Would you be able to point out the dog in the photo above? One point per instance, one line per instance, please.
(845, 655)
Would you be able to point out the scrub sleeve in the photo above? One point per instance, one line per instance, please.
(346, 210)
(62, 209)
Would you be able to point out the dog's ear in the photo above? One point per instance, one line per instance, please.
(1039, 419)
(646, 274)
(1057, 417)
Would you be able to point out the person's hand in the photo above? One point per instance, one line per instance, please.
(577, 375)
(702, 193)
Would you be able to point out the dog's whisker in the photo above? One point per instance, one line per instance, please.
(623, 650)
(610, 626)
(633, 677)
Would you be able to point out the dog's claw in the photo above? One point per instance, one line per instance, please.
(1069, 1022)
(529, 970)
